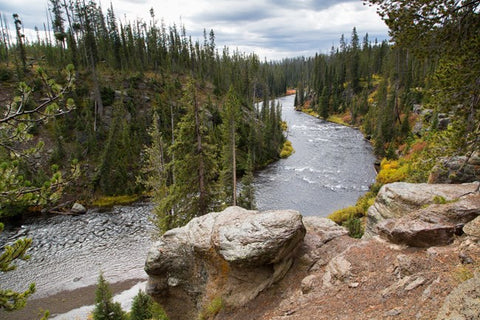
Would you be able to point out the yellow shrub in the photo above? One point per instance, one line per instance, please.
(339, 119)
(287, 150)
(344, 214)
(366, 201)
(391, 171)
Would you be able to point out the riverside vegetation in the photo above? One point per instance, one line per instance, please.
(110, 109)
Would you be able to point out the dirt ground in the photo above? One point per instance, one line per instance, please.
(383, 281)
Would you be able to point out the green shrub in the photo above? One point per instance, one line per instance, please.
(5, 74)
(439, 200)
(354, 226)
(141, 307)
(108, 96)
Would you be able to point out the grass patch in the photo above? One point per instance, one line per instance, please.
(115, 200)
(310, 112)
(212, 309)
(287, 150)
(338, 119)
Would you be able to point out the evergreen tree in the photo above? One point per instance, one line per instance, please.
(20, 43)
(354, 63)
(324, 103)
(11, 300)
(246, 198)
(154, 174)
(447, 31)
(195, 191)
(105, 308)
(142, 307)
(230, 115)
(58, 22)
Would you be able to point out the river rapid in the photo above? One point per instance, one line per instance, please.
(331, 167)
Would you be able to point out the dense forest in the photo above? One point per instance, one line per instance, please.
(98, 107)
(124, 109)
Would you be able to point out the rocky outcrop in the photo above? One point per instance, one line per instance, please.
(434, 225)
(270, 265)
(232, 255)
(422, 214)
(459, 169)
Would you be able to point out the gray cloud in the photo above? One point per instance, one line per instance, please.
(275, 28)
(315, 5)
(226, 15)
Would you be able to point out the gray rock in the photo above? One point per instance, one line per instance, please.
(234, 254)
(337, 270)
(399, 199)
(434, 225)
(257, 239)
(324, 228)
(458, 169)
(473, 228)
(77, 208)
(309, 283)
(463, 303)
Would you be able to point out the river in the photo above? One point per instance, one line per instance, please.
(331, 167)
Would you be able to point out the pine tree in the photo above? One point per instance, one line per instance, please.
(58, 23)
(230, 115)
(246, 198)
(324, 103)
(195, 191)
(154, 174)
(20, 42)
(142, 306)
(105, 308)
(11, 300)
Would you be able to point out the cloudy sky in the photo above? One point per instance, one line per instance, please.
(273, 29)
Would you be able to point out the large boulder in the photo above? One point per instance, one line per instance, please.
(231, 255)
(431, 226)
(399, 199)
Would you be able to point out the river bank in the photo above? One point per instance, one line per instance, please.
(65, 301)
